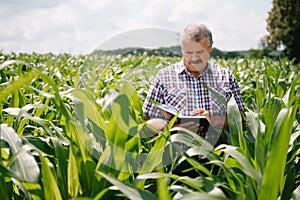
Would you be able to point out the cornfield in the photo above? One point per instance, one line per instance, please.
(72, 127)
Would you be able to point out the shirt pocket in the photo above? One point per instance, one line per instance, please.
(175, 97)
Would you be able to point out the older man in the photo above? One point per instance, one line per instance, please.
(194, 85)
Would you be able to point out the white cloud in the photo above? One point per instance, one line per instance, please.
(79, 26)
(241, 28)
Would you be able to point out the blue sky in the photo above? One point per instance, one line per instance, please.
(80, 26)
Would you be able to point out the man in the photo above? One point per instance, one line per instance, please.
(193, 85)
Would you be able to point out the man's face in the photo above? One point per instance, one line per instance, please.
(196, 55)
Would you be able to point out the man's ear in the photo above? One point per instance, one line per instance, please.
(210, 46)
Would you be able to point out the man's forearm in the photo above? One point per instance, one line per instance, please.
(220, 122)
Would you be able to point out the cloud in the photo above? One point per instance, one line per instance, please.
(236, 25)
(79, 26)
(36, 27)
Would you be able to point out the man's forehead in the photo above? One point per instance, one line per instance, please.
(192, 44)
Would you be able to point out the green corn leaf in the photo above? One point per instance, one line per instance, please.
(23, 79)
(235, 124)
(61, 153)
(73, 175)
(155, 156)
(289, 96)
(163, 190)
(11, 62)
(256, 128)
(35, 190)
(50, 186)
(215, 94)
(246, 166)
(59, 104)
(129, 191)
(3, 187)
(23, 160)
(88, 108)
(191, 182)
(216, 194)
(85, 148)
(132, 95)
(6, 172)
(273, 178)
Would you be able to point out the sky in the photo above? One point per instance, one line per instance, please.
(81, 26)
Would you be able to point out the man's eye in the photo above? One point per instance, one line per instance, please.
(189, 52)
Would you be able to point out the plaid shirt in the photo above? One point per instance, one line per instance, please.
(174, 85)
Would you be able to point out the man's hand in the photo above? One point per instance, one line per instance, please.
(193, 126)
(160, 124)
(201, 112)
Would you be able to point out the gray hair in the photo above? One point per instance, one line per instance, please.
(195, 33)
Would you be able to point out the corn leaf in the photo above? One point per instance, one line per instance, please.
(129, 191)
(50, 186)
(23, 160)
(73, 175)
(273, 177)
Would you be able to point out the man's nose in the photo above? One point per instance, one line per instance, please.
(194, 55)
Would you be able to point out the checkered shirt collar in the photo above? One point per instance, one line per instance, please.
(180, 68)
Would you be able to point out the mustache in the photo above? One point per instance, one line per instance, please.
(198, 61)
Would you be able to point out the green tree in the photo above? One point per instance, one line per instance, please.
(283, 25)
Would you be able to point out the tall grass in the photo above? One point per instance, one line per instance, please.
(73, 127)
